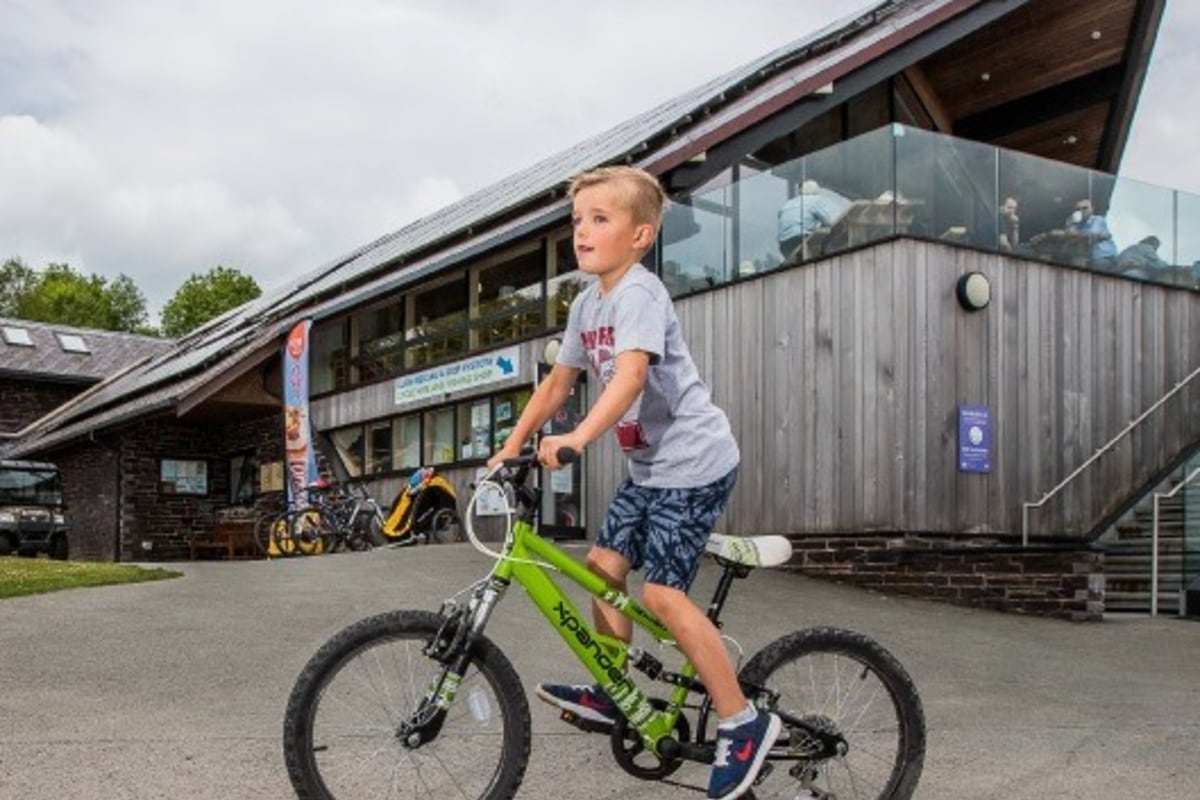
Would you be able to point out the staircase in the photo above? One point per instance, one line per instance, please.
(1127, 565)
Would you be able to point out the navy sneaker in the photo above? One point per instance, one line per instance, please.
(741, 752)
(587, 702)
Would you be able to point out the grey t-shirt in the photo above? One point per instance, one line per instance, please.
(673, 435)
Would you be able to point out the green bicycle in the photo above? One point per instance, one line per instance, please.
(422, 704)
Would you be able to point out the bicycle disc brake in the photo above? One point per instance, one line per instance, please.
(631, 754)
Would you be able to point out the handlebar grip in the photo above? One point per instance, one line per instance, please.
(566, 455)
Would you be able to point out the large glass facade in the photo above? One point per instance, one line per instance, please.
(903, 181)
(754, 217)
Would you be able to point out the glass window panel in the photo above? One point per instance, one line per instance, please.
(380, 332)
(859, 171)
(406, 442)
(437, 331)
(1187, 248)
(759, 200)
(696, 241)
(439, 436)
(1141, 220)
(1046, 192)
(507, 408)
(509, 305)
(566, 282)
(950, 186)
(327, 359)
(348, 442)
(379, 447)
(475, 429)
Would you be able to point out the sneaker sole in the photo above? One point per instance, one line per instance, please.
(582, 712)
(773, 731)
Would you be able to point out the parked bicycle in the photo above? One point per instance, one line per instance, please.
(335, 519)
(426, 702)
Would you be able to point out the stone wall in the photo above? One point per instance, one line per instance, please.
(90, 473)
(23, 401)
(1058, 580)
(157, 525)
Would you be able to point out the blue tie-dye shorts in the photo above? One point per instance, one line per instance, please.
(663, 531)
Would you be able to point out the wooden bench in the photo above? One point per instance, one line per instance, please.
(229, 538)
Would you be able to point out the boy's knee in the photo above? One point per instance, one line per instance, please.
(608, 564)
(658, 599)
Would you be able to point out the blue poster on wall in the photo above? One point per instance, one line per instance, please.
(974, 439)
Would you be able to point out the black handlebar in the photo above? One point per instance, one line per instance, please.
(528, 457)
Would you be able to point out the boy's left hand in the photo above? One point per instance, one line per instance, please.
(550, 445)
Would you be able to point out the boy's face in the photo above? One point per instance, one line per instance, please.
(606, 237)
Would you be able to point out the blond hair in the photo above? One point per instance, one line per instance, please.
(641, 192)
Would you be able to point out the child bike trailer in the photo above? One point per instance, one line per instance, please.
(425, 510)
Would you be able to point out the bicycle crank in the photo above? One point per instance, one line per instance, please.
(631, 754)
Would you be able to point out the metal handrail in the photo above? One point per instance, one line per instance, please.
(1154, 538)
(1026, 507)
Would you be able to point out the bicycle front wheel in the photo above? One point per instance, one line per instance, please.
(348, 733)
(841, 682)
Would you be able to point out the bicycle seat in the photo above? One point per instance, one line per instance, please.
(751, 551)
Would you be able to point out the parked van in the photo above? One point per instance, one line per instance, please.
(32, 514)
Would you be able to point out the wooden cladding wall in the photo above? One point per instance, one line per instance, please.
(843, 381)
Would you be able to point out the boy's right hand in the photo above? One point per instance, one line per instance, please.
(504, 452)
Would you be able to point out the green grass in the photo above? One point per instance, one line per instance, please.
(21, 576)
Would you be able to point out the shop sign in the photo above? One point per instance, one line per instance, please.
(471, 373)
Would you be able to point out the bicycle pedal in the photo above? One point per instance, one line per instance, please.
(585, 725)
(763, 772)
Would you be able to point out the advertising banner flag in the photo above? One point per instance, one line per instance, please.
(300, 467)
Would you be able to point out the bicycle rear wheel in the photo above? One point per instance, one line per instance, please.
(263, 531)
(843, 682)
(445, 528)
(346, 734)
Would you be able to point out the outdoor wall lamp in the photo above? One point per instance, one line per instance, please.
(974, 291)
(550, 351)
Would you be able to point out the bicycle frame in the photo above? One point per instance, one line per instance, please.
(603, 656)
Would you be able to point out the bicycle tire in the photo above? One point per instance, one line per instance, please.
(374, 672)
(444, 528)
(370, 527)
(262, 533)
(839, 678)
(313, 531)
(281, 537)
(293, 534)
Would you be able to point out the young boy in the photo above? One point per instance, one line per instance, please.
(681, 454)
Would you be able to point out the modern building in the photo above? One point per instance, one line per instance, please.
(933, 392)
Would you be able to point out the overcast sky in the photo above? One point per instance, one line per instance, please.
(163, 138)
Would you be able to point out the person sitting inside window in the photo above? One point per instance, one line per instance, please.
(1095, 227)
(815, 206)
(1008, 225)
(1141, 260)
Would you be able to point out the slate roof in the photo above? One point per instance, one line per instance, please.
(46, 359)
(531, 199)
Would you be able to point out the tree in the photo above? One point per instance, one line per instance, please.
(203, 297)
(15, 280)
(60, 294)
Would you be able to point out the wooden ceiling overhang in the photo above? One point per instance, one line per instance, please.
(1055, 79)
(1058, 79)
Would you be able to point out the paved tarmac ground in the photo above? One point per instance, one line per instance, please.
(176, 689)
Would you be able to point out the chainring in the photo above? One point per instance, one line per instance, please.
(631, 754)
